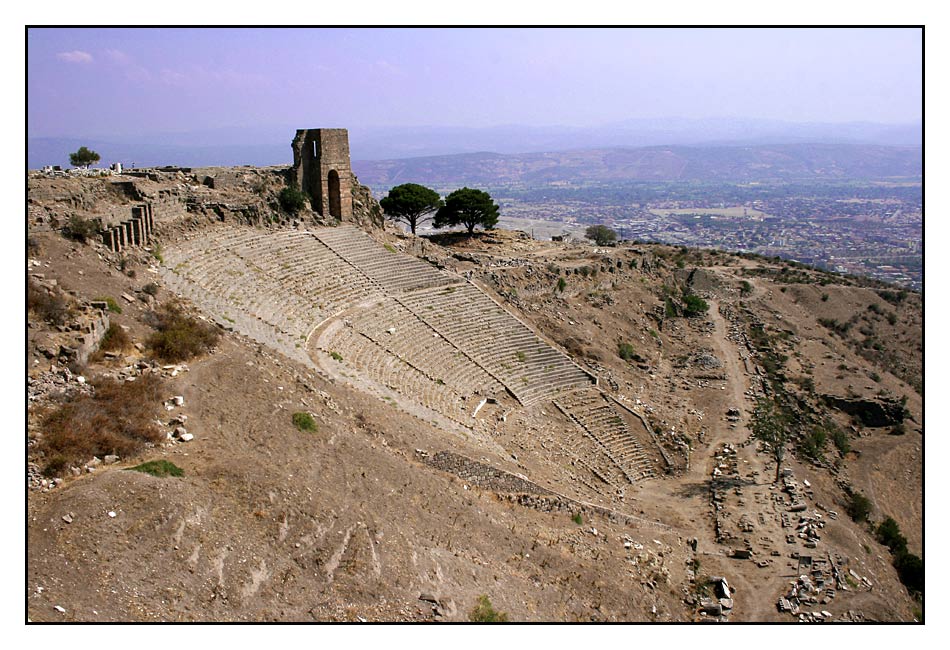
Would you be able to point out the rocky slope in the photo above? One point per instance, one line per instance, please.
(380, 514)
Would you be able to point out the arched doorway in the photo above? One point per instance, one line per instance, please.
(333, 190)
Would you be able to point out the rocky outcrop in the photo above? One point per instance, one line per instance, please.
(872, 412)
(367, 214)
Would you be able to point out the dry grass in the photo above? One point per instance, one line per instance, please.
(118, 419)
(180, 337)
(115, 339)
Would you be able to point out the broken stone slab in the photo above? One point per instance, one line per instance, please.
(726, 603)
(128, 298)
(722, 587)
(110, 459)
(186, 437)
(710, 607)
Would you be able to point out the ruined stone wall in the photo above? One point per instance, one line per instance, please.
(322, 170)
(168, 209)
(136, 231)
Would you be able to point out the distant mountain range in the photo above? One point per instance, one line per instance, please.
(677, 163)
(270, 144)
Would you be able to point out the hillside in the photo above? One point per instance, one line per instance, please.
(790, 162)
(561, 428)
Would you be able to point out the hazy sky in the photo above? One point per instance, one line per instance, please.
(85, 82)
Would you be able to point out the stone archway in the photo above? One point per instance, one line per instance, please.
(333, 192)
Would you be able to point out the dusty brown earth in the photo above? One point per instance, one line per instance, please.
(351, 522)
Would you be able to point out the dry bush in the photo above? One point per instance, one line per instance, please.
(115, 339)
(119, 418)
(82, 230)
(180, 337)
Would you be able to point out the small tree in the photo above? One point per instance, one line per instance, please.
(694, 305)
(601, 235)
(292, 200)
(83, 158)
(411, 204)
(771, 428)
(469, 208)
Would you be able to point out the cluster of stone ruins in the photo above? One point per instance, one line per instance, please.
(136, 231)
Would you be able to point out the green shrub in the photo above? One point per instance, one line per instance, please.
(824, 297)
(578, 519)
(520, 356)
(840, 440)
(80, 229)
(670, 308)
(304, 422)
(157, 253)
(813, 443)
(888, 533)
(694, 305)
(745, 288)
(859, 507)
(561, 284)
(111, 303)
(159, 468)
(626, 351)
(292, 200)
(910, 570)
(179, 337)
(485, 613)
(336, 356)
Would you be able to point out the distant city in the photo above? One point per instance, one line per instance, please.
(872, 229)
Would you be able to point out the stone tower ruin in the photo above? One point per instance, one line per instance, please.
(322, 170)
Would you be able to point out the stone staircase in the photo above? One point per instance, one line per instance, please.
(605, 425)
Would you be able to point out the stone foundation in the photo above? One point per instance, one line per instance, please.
(136, 231)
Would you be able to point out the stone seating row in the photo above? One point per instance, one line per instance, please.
(372, 360)
(530, 368)
(403, 334)
(394, 271)
(287, 279)
(601, 420)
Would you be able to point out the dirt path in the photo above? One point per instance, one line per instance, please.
(752, 500)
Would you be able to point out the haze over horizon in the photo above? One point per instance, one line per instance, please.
(237, 94)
